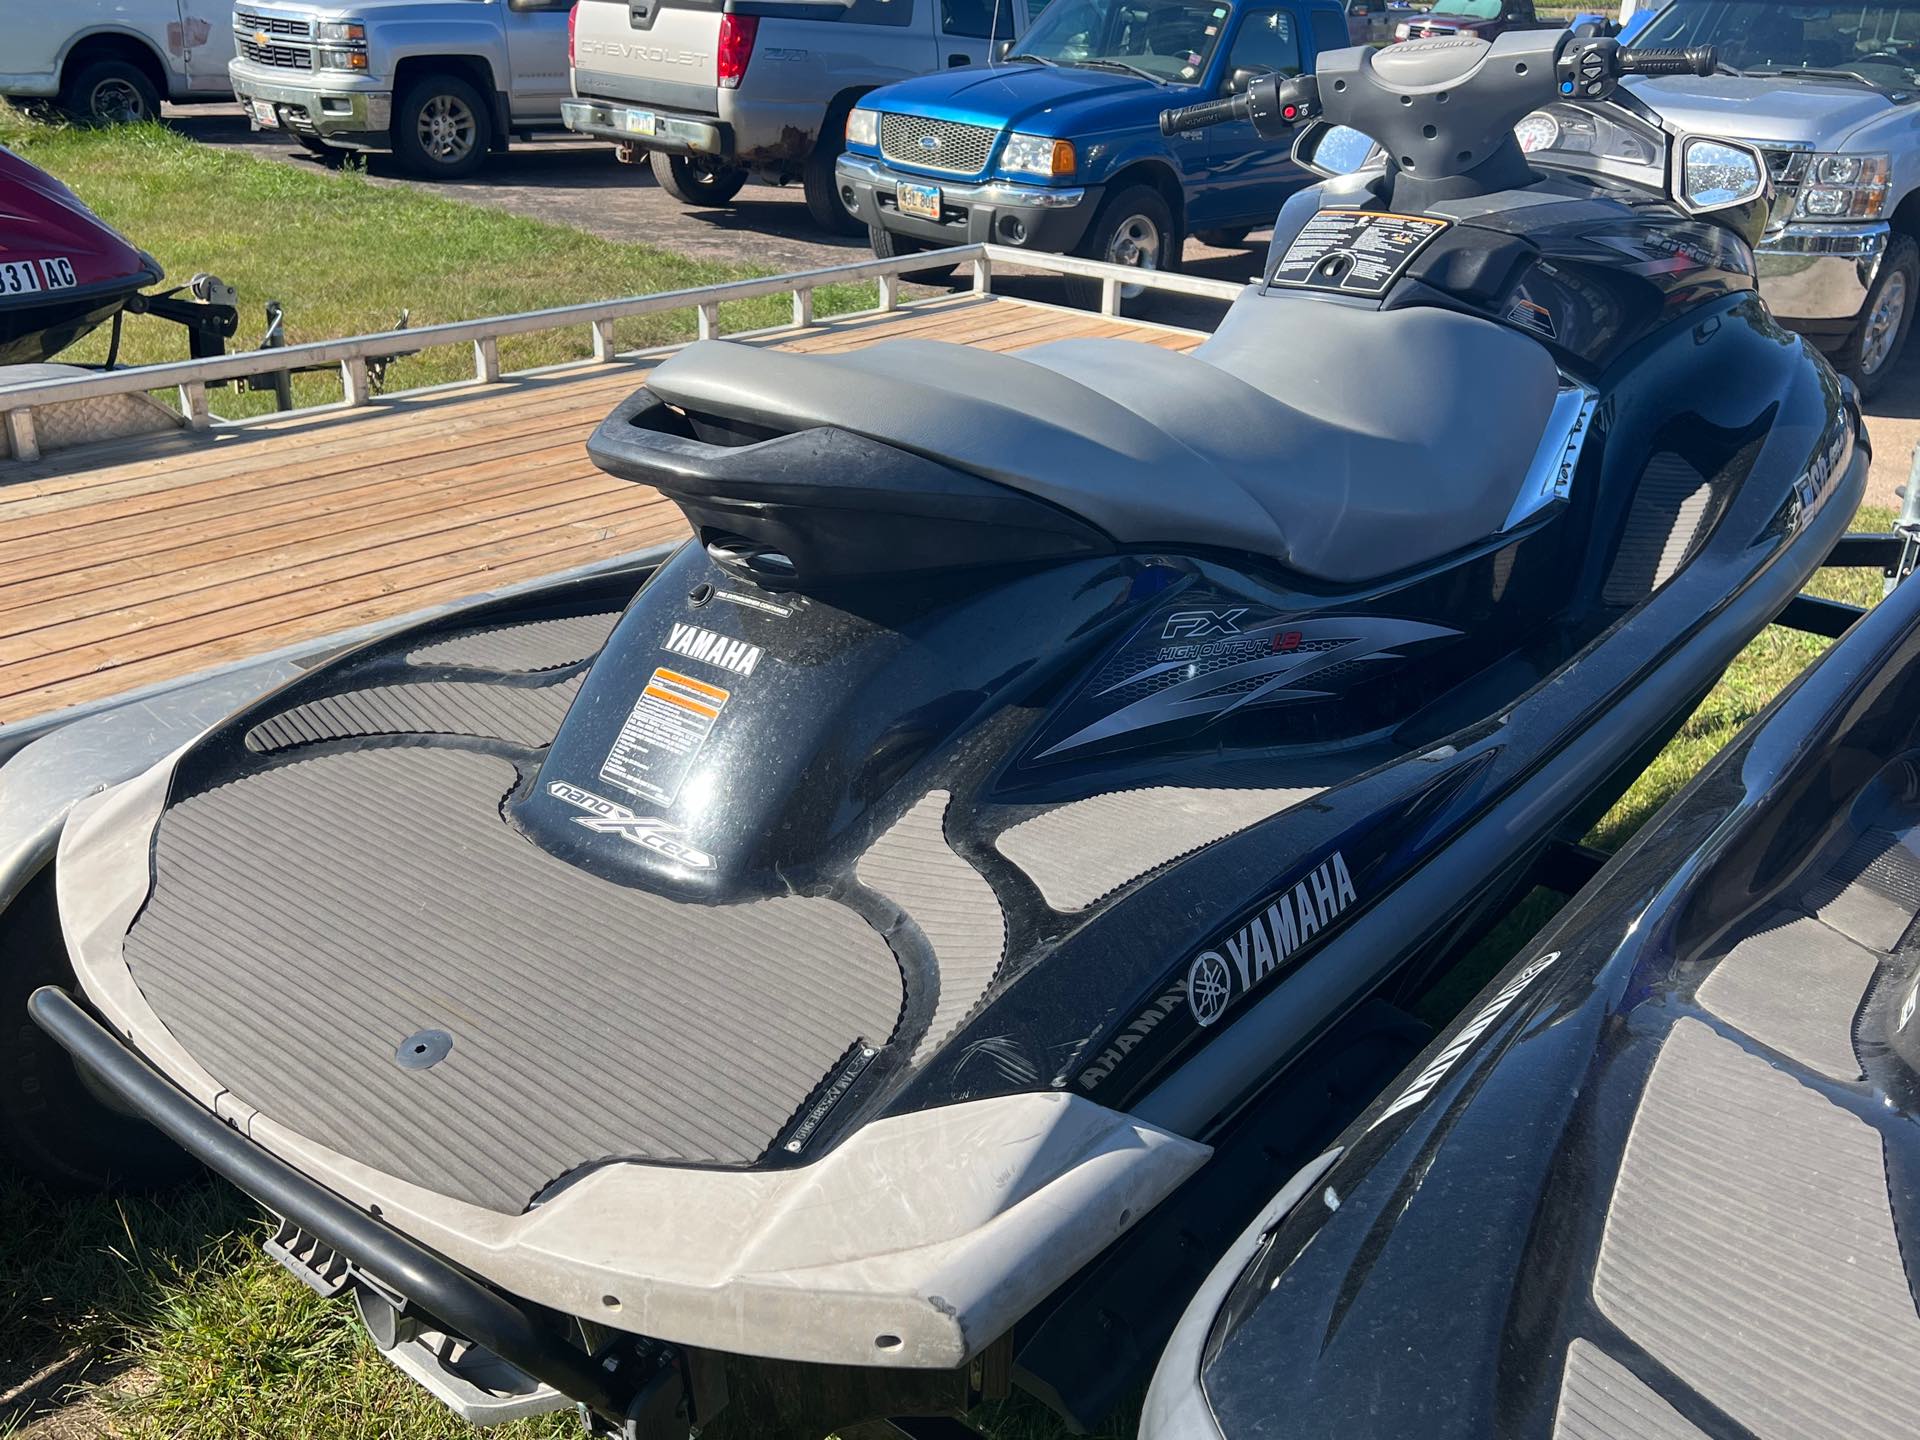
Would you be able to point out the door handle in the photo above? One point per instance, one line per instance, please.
(958, 59)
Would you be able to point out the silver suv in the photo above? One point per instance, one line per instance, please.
(716, 91)
(1828, 92)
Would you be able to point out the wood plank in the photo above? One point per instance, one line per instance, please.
(152, 558)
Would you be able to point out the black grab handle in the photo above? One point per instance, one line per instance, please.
(1207, 112)
(1698, 60)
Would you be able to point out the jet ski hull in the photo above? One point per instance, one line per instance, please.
(34, 328)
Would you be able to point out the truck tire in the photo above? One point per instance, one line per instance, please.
(822, 189)
(696, 180)
(442, 128)
(109, 92)
(887, 246)
(1871, 352)
(53, 1126)
(1133, 227)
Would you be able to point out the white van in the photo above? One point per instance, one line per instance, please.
(115, 60)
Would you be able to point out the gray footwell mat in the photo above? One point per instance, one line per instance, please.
(588, 1020)
(1600, 1399)
(1750, 1249)
(913, 866)
(1795, 989)
(1078, 852)
(524, 714)
(1670, 514)
(533, 645)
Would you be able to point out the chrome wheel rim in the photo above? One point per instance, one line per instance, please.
(1883, 325)
(117, 102)
(1136, 242)
(704, 173)
(447, 129)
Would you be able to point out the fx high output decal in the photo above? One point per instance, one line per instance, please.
(605, 817)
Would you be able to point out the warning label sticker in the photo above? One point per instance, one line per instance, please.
(1354, 252)
(663, 734)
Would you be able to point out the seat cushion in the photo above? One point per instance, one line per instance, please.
(1346, 443)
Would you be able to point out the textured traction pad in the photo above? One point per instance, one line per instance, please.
(1078, 852)
(1600, 1399)
(524, 714)
(913, 866)
(1750, 1248)
(533, 645)
(1795, 989)
(589, 1020)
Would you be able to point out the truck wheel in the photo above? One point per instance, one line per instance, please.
(1873, 349)
(110, 92)
(823, 190)
(52, 1124)
(1133, 228)
(1229, 238)
(696, 179)
(887, 246)
(442, 128)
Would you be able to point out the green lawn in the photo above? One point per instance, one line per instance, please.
(160, 1317)
(346, 257)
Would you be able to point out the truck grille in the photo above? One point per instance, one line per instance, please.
(936, 144)
(1788, 167)
(249, 28)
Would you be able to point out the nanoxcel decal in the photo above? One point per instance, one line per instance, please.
(1223, 974)
(1424, 1082)
(605, 817)
(698, 644)
(1209, 663)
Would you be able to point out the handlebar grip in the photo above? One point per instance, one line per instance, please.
(1698, 60)
(1207, 112)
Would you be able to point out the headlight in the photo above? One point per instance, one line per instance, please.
(343, 59)
(1844, 187)
(343, 30)
(863, 127)
(1038, 155)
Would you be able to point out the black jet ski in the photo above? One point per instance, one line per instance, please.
(1662, 1178)
(64, 272)
(786, 996)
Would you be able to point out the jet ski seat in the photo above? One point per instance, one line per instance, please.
(1402, 435)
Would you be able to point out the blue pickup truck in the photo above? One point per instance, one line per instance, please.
(1057, 146)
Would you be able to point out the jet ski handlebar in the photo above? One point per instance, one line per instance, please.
(1443, 106)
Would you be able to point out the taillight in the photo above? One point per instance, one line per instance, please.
(573, 16)
(735, 48)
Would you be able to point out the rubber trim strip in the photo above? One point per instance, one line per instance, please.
(464, 1304)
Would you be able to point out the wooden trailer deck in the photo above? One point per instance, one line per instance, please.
(136, 562)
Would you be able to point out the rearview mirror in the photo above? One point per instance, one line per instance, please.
(1332, 150)
(1003, 49)
(1716, 174)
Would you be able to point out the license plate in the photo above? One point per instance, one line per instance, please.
(19, 277)
(642, 122)
(920, 200)
(264, 116)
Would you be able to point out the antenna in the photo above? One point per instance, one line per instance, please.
(993, 33)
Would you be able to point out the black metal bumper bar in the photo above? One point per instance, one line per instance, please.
(447, 1293)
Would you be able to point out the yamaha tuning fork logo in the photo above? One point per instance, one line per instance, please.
(1262, 946)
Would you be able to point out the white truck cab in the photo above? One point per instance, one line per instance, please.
(115, 60)
(440, 83)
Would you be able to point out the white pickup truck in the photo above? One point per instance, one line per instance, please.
(440, 83)
(717, 91)
(115, 60)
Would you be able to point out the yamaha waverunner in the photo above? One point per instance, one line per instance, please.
(64, 272)
(1662, 1178)
(823, 984)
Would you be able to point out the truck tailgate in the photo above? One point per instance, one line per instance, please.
(653, 51)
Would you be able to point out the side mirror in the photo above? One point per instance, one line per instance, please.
(1002, 49)
(1716, 174)
(1240, 79)
(1332, 150)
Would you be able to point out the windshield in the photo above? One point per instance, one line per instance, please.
(1164, 40)
(1878, 43)
(1469, 9)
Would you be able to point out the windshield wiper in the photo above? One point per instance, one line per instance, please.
(1026, 59)
(1787, 70)
(1119, 65)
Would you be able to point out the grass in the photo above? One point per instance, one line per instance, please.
(346, 257)
(160, 1317)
